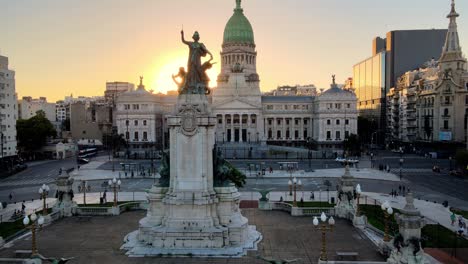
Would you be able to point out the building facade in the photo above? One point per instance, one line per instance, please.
(139, 118)
(114, 89)
(27, 108)
(400, 51)
(431, 103)
(8, 110)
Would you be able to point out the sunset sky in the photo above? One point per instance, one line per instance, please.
(63, 47)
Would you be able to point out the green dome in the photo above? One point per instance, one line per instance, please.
(238, 29)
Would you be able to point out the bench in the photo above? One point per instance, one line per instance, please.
(347, 255)
(23, 253)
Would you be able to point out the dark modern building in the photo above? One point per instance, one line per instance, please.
(399, 52)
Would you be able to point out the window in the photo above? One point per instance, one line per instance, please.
(305, 121)
(144, 122)
(270, 121)
(466, 99)
(127, 122)
(346, 134)
(446, 124)
(447, 99)
(346, 121)
(220, 120)
(446, 112)
(287, 134)
(305, 133)
(278, 121)
(329, 106)
(287, 121)
(296, 107)
(338, 135)
(296, 122)
(253, 119)
(270, 133)
(328, 122)
(338, 106)
(296, 133)
(269, 107)
(328, 135)
(136, 107)
(337, 121)
(145, 136)
(136, 122)
(136, 136)
(278, 134)
(286, 107)
(126, 107)
(348, 105)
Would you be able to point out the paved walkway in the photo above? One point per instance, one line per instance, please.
(284, 237)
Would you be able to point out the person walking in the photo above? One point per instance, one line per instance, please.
(453, 218)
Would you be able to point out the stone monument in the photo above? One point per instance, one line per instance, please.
(345, 207)
(407, 244)
(194, 209)
(65, 203)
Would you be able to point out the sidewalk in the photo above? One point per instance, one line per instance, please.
(365, 173)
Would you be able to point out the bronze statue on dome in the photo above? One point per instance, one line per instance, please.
(196, 80)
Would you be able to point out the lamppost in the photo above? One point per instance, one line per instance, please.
(290, 170)
(33, 226)
(294, 185)
(115, 184)
(324, 228)
(401, 167)
(450, 163)
(43, 192)
(388, 211)
(358, 196)
(84, 187)
(372, 160)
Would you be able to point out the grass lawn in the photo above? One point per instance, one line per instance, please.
(433, 236)
(459, 212)
(312, 204)
(10, 228)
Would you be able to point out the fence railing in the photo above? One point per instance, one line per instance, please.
(94, 211)
(281, 206)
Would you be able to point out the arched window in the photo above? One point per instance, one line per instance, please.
(127, 135)
(136, 136)
(446, 112)
(145, 136)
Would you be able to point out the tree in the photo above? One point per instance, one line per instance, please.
(462, 159)
(33, 132)
(352, 145)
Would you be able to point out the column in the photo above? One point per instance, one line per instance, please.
(283, 134)
(301, 128)
(274, 129)
(232, 128)
(240, 126)
(224, 127)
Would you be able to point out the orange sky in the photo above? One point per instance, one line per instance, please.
(63, 47)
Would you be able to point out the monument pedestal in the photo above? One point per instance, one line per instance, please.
(65, 203)
(190, 216)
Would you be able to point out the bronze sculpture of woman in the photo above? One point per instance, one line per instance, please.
(196, 80)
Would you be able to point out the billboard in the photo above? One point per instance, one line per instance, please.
(445, 136)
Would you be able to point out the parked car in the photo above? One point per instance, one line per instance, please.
(83, 161)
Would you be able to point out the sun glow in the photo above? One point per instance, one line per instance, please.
(163, 72)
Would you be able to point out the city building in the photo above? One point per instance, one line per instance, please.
(139, 118)
(27, 108)
(90, 121)
(431, 103)
(400, 51)
(335, 117)
(114, 89)
(8, 111)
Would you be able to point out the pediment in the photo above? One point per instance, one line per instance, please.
(235, 104)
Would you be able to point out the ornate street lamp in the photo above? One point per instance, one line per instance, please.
(115, 184)
(388, 211)
(294, 185)
(33, 226)
(84, 187)
(323, 227)
(43, 192)
(358, 196)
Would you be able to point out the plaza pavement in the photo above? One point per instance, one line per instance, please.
(284, 237)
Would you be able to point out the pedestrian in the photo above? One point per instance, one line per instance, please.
(453, 218)
(399, 188)
(271, 169)
(104, 196)
(23, 207)
(11, 197)
(403, 190)
(461, 230)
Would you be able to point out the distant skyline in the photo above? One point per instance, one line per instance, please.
(63, 47)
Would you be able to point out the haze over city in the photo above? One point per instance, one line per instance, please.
(60, 48)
